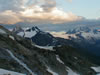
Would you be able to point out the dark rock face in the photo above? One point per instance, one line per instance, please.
(39, 60)
(44, 39)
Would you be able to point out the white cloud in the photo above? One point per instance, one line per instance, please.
(14, 5)
(69, 0)
(48, 5)
(9, 17)
(55, 16)
(45, 11)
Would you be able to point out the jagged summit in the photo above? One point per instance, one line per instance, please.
(36, 35)
(26, 32)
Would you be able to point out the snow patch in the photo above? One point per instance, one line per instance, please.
(6, 72)
(45, 47)
(20, 34)
(97, 69)
(12, 37)
(30, 34)
(49, 70)
(71, 72)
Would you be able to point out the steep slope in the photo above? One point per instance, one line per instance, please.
(88, 39)
(21, 55)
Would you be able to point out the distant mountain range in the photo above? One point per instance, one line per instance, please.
(85, 38)
(40, 38)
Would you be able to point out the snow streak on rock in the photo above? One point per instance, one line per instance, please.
(71, 72)
(6, 72)
(49, 70)
(58, 58)
(12, 37)
(45, 47)
(20, 62)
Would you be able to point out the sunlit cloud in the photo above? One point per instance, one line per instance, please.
(62, 34)
(36, 11)
(9, 17)
(55, 16)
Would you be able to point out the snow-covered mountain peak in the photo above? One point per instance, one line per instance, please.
(26, 32)
(35, 28)
(36, 35)
(85, 32)
(79, 29)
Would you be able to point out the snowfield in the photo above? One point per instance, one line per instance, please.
(27, 32)
(30, 34)
(45, 47)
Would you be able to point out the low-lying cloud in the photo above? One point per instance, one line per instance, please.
(62, 34)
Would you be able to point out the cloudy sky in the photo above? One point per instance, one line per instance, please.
(48, 11)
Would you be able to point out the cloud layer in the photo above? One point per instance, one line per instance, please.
(38, 11)
(62, 34)
(37, 14)
(69, 0)
(9, 17)
(14, 5)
